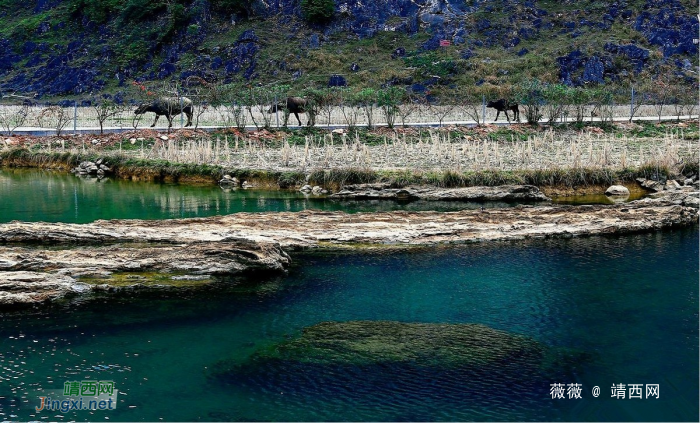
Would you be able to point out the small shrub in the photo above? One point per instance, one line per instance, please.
(318, 11)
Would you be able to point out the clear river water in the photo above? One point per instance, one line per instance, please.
(628, 305)
(33, 195)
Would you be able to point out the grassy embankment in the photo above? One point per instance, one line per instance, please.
(192, 165)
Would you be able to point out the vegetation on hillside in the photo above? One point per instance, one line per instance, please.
(74, 47)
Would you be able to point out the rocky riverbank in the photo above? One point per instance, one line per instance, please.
(103, 252)
(521, 193)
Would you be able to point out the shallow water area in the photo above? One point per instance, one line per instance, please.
(628, 305)
(32, 195)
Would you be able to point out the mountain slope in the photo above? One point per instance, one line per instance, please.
(59, 48)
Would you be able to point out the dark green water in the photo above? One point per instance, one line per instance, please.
(630, 304)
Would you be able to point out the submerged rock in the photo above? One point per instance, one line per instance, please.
(330, 352)
(374, 342)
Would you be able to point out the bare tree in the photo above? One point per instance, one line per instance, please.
(661, 89)
(408, 107)
(469, 102)
(330, 98)
(104, 109)
(683, 99)
(55, 117)
(348, 109)
(442, 108)
(12, 117)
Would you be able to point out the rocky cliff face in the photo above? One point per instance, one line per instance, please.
(54, 49)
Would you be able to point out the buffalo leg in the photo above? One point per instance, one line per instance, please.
(498, 112)
(189, 118)
(507, 117)
(297, 116)
(154, 122)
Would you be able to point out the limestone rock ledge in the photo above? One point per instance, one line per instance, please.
(35, 287)
(521, 193)
(31, 275)
(306, 229)
(256, 242)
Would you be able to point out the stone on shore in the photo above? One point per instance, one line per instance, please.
(672, 185)
(97, 168)
(651, 185)
(228, 181)
(617, 190)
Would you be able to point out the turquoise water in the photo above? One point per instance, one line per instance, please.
(39, 195)
(36, 195)
(630, 304)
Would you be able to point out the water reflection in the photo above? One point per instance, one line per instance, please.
(40, 195)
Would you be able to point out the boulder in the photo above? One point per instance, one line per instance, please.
(672, 185)
(617, 190)
(229, 181)
(306, 188)
(652, 185)
(316, 190)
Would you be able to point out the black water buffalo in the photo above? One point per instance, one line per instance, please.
(294, 105)
(503, 105)
(168, 106)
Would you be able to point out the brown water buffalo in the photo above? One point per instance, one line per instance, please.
(168, 106)
(503, 105)
(294, 105)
